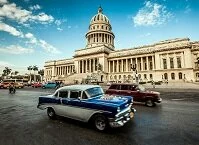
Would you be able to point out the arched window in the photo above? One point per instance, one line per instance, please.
(115, 77)
(165, 76)
(180, 75)
(172, 76)
(120, 76)
(145, 77)
(98, 17)
(102, 27)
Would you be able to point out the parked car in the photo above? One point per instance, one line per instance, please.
(6, 85)
(37, 85)
(19, 85)
(1, 85)
(49, 85)
(138, 92)
(88, 103)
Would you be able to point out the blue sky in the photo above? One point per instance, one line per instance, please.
(34, 31)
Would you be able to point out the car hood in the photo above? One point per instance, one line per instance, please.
(115, 101)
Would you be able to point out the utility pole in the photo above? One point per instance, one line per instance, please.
(133, 67)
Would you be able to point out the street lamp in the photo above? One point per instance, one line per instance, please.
(133, 67)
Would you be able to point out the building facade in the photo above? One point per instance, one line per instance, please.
(172, 60)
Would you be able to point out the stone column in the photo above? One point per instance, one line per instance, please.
(89, 65)
(117, 66)
(147, 63)
(109, 66)
(141, 63)
(168, 62)
(136, 62)
(113, 66)
(182, 60)
(126, 65)
(122, 63)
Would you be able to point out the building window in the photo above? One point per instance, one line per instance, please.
(93, 27)
(164, 63)
(165, 76)
(145, 66)
(171, 63)
(145, 77)
(180, 75)
(172, 76)
(197, 75)
(179, 62)
(102, 27)
(151, 76)
(150, 65)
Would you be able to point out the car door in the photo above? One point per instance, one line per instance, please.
(114, 89)
(135, 92)
(62, 96)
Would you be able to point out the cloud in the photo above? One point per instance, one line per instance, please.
(59, 29)
(187, 9)
(48, 47)
(11, 11)
(16, 49)
(41, 43)
(145, 35)
(5, 64)
(3, 2)
(151, 14)
(13, 31)
(35, 7)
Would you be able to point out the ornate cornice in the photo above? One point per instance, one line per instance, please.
(93, 50)
(174, 44)
(59, 62)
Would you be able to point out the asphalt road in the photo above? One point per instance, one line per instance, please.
(174, 122)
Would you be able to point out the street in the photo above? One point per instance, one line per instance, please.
(173, 122)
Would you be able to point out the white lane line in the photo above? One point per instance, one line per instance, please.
(182, 99)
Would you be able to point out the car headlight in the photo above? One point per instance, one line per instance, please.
(118, 109)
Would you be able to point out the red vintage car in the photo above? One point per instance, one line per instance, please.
(37, 85)
(138, 92)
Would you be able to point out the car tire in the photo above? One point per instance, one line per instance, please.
(51, 113)
(149, 103)
(100, 122)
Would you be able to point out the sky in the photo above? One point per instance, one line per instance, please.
(35, 31)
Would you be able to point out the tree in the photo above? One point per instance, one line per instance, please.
(30, 68)
(41, 72)
(7, 71)
(16, 72)
(34, 68)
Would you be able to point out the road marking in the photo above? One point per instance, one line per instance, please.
(182, 99)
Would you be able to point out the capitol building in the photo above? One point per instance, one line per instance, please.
(172, 60)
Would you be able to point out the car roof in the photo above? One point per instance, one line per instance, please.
(78, 87)
(124, 84)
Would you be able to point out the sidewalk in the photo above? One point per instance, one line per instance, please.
(175, 85)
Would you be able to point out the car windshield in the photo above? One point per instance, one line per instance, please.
(93, 92)
(141, 88)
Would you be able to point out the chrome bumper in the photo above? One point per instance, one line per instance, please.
(159, 100)
(119, 121)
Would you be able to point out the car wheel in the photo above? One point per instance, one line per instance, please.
(100, 122)
(149, 103)
(51, 113)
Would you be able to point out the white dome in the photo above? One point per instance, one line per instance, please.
(99, 17)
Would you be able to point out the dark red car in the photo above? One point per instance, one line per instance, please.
(36, 85)
(138, 92)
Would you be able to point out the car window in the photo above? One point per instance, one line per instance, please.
(84, 96)
(113, 87)
(93, 92)
(56, 95)
(63, 94)
(124, 87)
(75, 94)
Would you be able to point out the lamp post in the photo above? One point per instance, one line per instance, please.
(133, 67)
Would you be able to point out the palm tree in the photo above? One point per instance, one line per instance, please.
(34, 68)
(41, 72)
(30, 68)
(16, 72)
(7, 71)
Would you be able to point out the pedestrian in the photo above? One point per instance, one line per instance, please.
(153, 83)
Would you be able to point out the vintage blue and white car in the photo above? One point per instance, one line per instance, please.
(88, 103)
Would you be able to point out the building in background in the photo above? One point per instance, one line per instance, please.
(172, 60)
